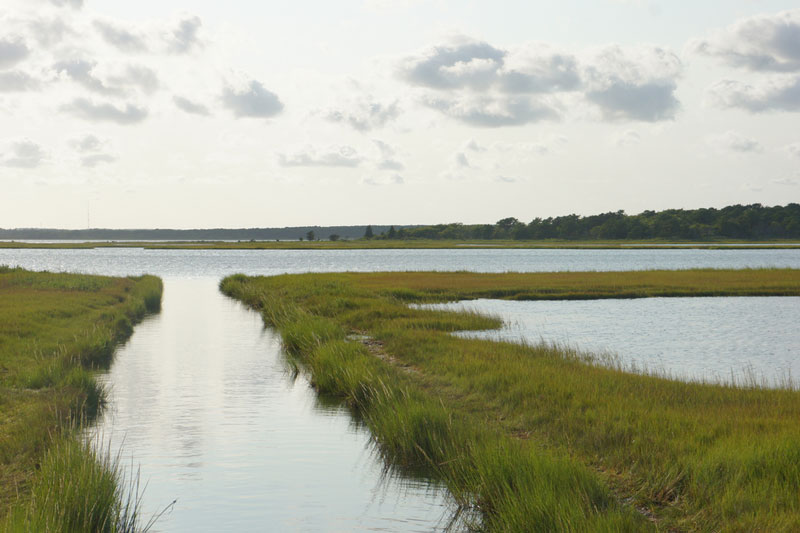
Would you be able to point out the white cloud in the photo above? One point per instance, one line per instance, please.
(487, 112)
(788, 182)
(732, 141)
(628, 138)
(86, 143)
(365, 115)
(12, 51)
(251, 101)
(49, 32)
(190, 107)
(82, 72)
(634, 83)
(139, 76)
(183, 38)
(465, 63)
(23, 154)
(17, 81)
(387, 160)
(391, 179)
(793, 149)
(119, 37)
(759, 43)
(75, 4)
(332, 156)
(105, 112)
(776, 94)
(486, 86)
(93, 160)
(538, 68)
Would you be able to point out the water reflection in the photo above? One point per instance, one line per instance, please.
(740, 339)
(206, 403)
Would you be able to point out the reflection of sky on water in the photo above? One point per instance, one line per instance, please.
(204, 401)
(698, 338)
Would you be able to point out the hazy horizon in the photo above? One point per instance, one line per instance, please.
(236, 115)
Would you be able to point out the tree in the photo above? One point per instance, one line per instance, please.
(392, 233)
(310, 235)
(368, 233)
(333, 237)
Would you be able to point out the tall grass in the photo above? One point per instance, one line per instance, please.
(55, 331)
(81, 487)
(536, 437)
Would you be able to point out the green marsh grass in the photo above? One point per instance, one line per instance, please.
(56, 330)
(539, 438)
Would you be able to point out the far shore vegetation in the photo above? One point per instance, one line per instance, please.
(734, 224)
(56, 330)
(539, 437)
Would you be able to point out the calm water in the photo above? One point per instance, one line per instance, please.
(218, 263)
(201, 399)
(712, 339)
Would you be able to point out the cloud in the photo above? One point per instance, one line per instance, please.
(139, 76)
(505, 179)
(461, 161)
(49, 32)
(104, 112)
(366, 115)
(759, 43)
(75, 4)
(92, 150)
(777, 94)
(82, 72)
(628, 138)
(252, 101)
(537, 68)
(93, 160)
(190, 107)
(392, 179)
(387, 159)
(473, 146)
(183, 38)
(488, 112)
(120, 38)
(732, 141)
(24, 154)
(464, 64)
(17, 81)
(469, 64)
(87, 143)
(788, 182)
(489, 87)
(793, 149)
(333, 156)
(12, 51)
(634, 84)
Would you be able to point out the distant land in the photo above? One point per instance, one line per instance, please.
(753, 222)
(216, 234)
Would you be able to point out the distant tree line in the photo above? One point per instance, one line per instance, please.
(733, 222)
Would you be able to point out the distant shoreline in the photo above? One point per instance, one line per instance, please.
(384, 244)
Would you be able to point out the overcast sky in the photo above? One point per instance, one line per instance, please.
(239, 114)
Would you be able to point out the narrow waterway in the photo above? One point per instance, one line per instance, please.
(201, 398)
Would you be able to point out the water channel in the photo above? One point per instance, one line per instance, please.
(202, 401)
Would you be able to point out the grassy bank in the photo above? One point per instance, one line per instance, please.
(387, 244)
(539, 438)
(55, 330)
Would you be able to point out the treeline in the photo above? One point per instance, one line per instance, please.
(218, 234)
(754, 222)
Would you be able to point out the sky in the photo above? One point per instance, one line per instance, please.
(201, 114)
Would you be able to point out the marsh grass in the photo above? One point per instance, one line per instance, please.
(538, 437)
(56, 330)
